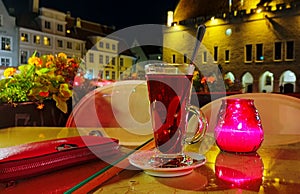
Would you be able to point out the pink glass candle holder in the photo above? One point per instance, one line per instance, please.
(239, 127)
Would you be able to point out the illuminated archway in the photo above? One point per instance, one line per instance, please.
(266, 82)
(247, 82)
(287, 82)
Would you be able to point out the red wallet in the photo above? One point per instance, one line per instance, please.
(36, 158)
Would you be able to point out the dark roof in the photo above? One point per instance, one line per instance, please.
(28, 20)
(151, 49)
(187, 9)
(87, 29)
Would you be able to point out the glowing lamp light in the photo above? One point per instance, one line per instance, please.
(170, 18)
(259, 10)
(239, 127)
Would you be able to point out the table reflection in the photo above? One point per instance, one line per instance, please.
(240, 170)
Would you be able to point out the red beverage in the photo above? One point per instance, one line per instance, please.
(169, 96)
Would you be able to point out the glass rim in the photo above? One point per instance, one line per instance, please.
(169, 68)
(237, 99)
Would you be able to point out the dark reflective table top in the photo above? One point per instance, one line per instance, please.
(274, 168)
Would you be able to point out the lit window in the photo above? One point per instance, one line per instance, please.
(24, 37)
(6, 44)
(107, 74)
(47, 41)
(36, 39)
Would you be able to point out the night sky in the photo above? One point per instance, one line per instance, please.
(117, 13)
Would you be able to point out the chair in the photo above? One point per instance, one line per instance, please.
(121, 104)
(277, 111)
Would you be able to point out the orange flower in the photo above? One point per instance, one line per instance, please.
(40, 106)
(36, 61)
(49, 64)
(50, 58)
(203, 80)
(9, 72)
(211, 79)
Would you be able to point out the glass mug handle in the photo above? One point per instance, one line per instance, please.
(202, 125)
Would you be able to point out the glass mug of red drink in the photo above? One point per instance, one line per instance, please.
(169, 89)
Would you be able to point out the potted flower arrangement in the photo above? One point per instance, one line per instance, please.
(49, 77)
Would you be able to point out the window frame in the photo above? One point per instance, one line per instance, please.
(281, 51)
(26, 37)
(246, 53)
(286, 51)
(9, 59)
(22, 59)
(204, 57)
(216, 54)
(47, 41)
(227, 56)
(1, 20)
(2, 41)
(47, 24)
(60, 43)
(259, 52)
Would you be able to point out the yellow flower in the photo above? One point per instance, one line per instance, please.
(62, 55)
(50, 58)
(36, 61)
(9, 72)
(49, 77)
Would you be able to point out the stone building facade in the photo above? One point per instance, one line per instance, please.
(256, 43)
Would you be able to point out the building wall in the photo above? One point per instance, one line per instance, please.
(8, 31)
(265, 28)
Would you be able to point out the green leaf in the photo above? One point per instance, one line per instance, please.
(61, 103)
(42, 71)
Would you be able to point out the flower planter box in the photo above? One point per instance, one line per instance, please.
(27, 114)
